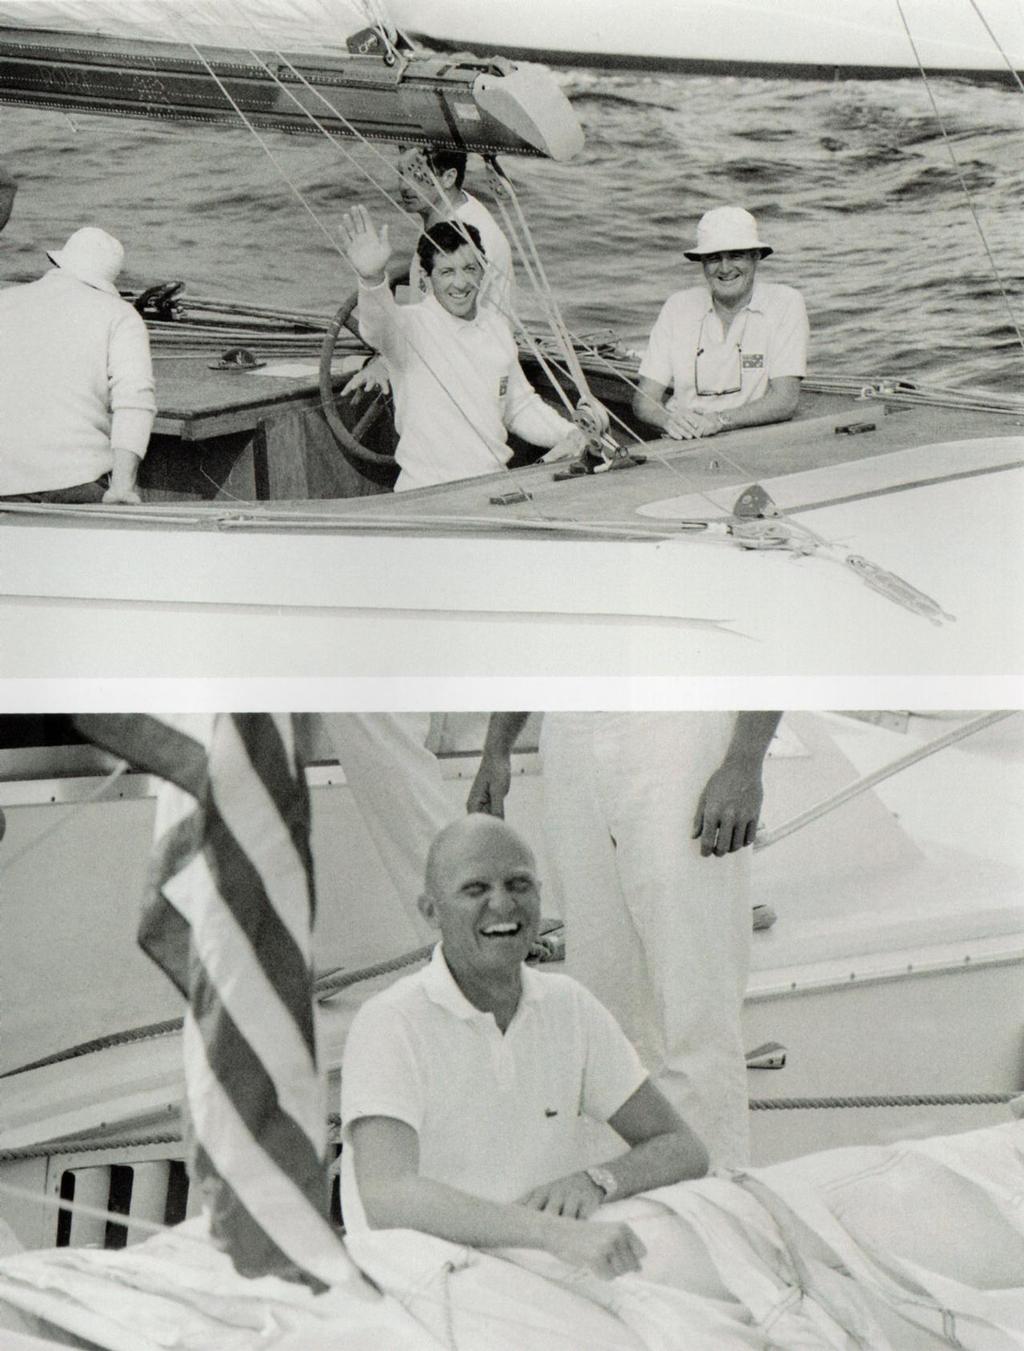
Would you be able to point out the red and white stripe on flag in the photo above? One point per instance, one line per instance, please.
(229, 917)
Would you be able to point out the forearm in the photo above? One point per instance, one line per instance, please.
(125, 472)
(503, 732)
(130, 429)
(752, 735)
(777, 405)
(650, 408)
(415, 1202)
(378, 314)
(658, 1162)
(537, 423)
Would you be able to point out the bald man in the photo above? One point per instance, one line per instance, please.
(463, 1085)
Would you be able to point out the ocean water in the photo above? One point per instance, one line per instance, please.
(903, 230)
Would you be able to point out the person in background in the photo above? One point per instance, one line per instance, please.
(77, 399)
(463, 1085)
(459, 388)
(730, 353)
(649, 818)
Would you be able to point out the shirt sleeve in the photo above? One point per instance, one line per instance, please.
(381, 320)
(527, 414)
(657, 360)
(130, 383)
(789, 338)
(612, 1069)
(380, 1075)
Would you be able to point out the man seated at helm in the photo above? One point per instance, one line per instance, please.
(730, 353)
(459, 388)
(465, 1085)
(431, 187)
(76, 380)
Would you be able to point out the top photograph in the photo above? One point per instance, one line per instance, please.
(556, 339)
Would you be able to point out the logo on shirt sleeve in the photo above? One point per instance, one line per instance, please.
(753, 361)
(502, 386)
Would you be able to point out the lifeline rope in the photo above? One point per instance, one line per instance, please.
(90, 1145)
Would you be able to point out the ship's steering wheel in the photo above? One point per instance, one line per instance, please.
(371, 407)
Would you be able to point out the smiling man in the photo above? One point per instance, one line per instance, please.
(458, 385)
(464, 1085)
(431, 186)
(730, 353)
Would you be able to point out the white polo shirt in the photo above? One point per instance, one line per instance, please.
(458, 389)
(496, 1114)
(497, 289)
(771, 333)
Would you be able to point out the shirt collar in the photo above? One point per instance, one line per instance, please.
(441, 989)
(458, 324)
(756, 301)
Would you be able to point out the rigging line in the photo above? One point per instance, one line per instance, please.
(119, 769)
(357, 135)
(495, 454)
(962, 181)
(998, 45)
(268, 152)
(509, 312)
(559, 326)
(868, 781)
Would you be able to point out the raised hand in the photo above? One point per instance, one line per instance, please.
(367, 248)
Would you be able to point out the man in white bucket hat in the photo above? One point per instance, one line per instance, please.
(730, 353)
(76, 380)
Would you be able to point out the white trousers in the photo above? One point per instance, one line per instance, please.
(397, 787)
(659, 934)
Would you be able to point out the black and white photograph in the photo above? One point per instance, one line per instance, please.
(511, 670)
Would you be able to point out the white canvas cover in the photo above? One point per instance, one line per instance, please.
(898, 1247)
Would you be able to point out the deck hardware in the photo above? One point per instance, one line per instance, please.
(855, 428)
(769, 1056)
(509, 498)
(754, 503)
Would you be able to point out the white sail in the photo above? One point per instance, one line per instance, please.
(297, 25)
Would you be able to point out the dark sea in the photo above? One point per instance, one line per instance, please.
(903, 234)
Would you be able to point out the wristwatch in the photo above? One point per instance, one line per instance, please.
(723, 421)
(605, 1179)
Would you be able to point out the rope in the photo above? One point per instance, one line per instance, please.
(865, 1101)
(332, 983)
(829, 804)
(998, 45)
(960, 177)
(882, 1100)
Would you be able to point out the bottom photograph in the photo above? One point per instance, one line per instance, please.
(654, 1030)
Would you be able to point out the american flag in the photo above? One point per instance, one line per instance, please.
(228, 916)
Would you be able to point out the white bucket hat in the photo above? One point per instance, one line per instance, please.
(92, 256)
(724, 229)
